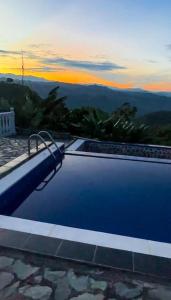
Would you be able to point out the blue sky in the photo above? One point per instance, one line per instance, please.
(75, 40)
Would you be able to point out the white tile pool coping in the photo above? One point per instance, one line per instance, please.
(87, 236)
(24, 169)
(74, 234)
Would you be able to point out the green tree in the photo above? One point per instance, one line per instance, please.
(4, 104)
(9, 80)
(53, 112)
(125, 112)
(86, 121)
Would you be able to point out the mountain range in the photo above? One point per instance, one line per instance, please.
(105, 98)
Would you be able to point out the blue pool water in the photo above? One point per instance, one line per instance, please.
(125, 197)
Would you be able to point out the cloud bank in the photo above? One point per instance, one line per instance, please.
(88, 65)
(61, 61)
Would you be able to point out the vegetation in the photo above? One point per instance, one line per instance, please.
(159, 118)
(52, 113)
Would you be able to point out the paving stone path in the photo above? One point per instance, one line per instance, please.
(12, 147)
(26, 276)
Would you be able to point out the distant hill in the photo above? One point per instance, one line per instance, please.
(98, 96)
(157, 118)
(167, 94)
(17, 78)
(105, 98)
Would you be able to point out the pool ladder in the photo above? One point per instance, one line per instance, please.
(38, 137)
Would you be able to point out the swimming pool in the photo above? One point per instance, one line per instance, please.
(104, 194)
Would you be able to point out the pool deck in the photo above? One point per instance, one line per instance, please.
(28, 268)
(14, 151)
(12, 147)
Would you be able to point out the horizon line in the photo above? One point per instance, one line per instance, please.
(41, 79)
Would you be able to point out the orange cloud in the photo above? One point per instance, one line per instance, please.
(160, 86)
(75, 76)
(79, 77)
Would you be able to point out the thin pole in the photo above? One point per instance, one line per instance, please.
(22, 68)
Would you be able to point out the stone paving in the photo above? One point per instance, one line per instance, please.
(25, 276)
(12, 147)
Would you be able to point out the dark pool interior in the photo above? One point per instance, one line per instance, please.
(125, 197)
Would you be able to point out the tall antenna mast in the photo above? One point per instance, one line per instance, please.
(22, 68)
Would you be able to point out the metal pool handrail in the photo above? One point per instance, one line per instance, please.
(51, 138)
(38, 136)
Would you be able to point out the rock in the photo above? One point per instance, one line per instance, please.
(137, 282)
(5, 279)
(17, 297)
(10, 290)
(5, 262)
(144, 284)
(96, 272)
(53, 276)
(38, 279)
(62, 291)
(149, 285)
(23, 288)
(80, 283)
(88, 296)
(23, 271)
(127, 293)
(36, 292)
(98, 285)
(160, 293)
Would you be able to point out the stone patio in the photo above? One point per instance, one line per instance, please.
(25, 276)
(12, 147)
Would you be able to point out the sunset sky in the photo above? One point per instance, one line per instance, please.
(119, 43)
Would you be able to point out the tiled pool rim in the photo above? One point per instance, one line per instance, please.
(85, 253)
(135, 254)
(75, 149)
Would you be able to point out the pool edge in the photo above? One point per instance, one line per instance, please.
(103, 249)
